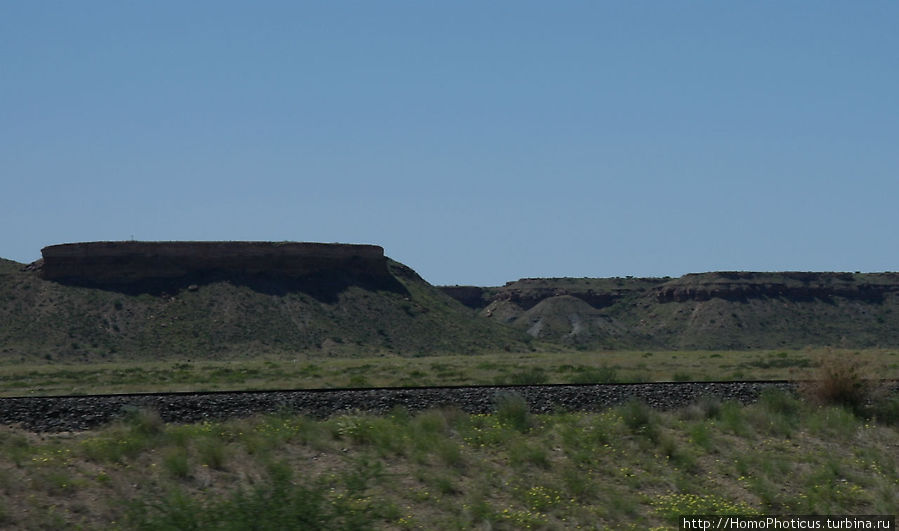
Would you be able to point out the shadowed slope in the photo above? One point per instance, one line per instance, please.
(331, 313)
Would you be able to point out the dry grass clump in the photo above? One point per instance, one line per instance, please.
(841, 381)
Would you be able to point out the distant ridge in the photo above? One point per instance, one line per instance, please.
(221, 300)
(726, 309)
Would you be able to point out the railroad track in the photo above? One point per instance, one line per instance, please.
(84, 412)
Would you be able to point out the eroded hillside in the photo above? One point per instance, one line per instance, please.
(212, 300)
(369, 306)
(710, 310)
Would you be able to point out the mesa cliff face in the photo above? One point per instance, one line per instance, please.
(728, 309)
(220, 300)
(529, 292)
(130, 262)
(792, 285)
(697, 287)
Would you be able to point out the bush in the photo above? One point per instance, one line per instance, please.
(732, 419)
(834, 422)
(777, 413)
(707, 407)
(886, 410)
(139, 430)
(701, 436)
(145, 422)
(176, 462)
(595, 375)
(529, 455)
(641, 420)
(780, 403)
(213, 453)
(279, 505)
(513, 410)
(532, 376)
(840, 381)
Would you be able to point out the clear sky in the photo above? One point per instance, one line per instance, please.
(477, 142)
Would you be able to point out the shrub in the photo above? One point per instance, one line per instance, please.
(776, 413)
(733, 420)
(144, 422)
(523, 454)
(635, 414)
(139, 431)
(678, 456)
(512, 409)
(840, 381)
(279, 505)
(779, 402)
(638, 416)
(358, 380)
(213, 453)
(578, 485)
(532, 376)
(449, 453)
(701, 436)
(14, 446)
(429, 425)
(834, 422)
(175, 461)
(707, 407)
(603, 374)
(885, 410)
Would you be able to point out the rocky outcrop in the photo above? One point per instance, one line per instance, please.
(129, 262)
(471, 296)
(527, 299)
(729, 309)
(528, 292)
(726, 285)
(795, 286)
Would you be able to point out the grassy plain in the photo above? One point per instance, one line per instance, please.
(629, 467)
(57, 378)
(626, 468)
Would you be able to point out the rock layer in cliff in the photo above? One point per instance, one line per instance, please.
(729, 309)
(154, 267)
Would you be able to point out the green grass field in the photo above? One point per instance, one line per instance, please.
(55, 378)
(629, 467)
(626, 468)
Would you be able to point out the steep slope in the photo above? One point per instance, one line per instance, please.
(142, 300)
(771, 310)
(573, 322)
(711, 310)
(225, 315)
(575, 312)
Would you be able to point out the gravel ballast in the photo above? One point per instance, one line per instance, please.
(75, 413)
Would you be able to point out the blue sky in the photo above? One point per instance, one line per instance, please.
(477, 142)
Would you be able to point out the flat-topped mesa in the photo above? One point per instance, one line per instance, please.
(794, 285)
(131, 261)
